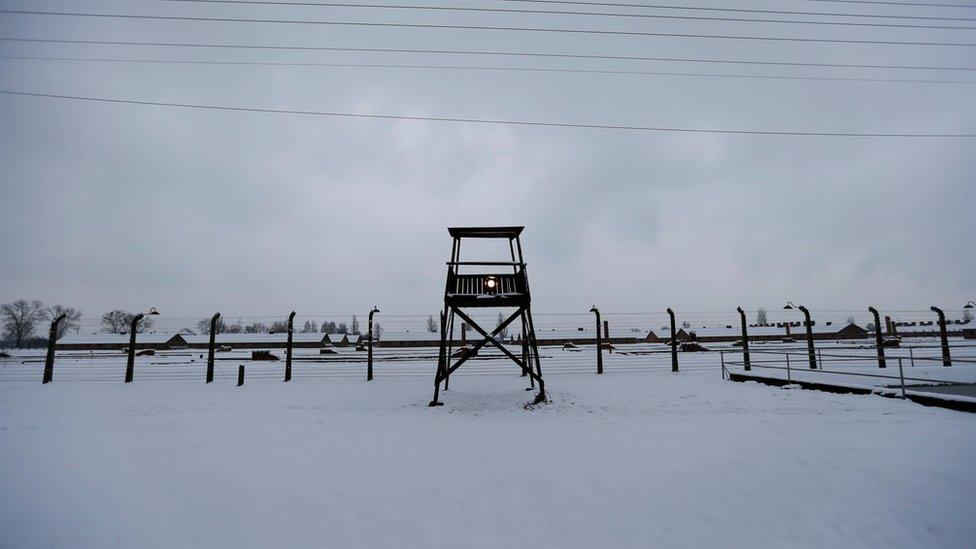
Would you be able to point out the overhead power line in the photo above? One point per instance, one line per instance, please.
(486, 53)
(573, 13)
(921, 4)
(483, 68)
(491, 121)
(633, 5)
(374, 24)
(639, 5)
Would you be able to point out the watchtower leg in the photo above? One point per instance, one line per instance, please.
(525, 354)
(441, 364)
(450, 349)
(525, 344)
(541, 396)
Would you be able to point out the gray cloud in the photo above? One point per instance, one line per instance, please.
(194, 211)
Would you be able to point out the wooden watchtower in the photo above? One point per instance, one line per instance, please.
(493, 284)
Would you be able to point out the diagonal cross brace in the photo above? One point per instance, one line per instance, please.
(490, 339)
(480, 344)
(477, 347)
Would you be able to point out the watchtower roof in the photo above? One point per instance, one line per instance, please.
(485, 232)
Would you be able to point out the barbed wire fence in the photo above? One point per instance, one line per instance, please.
(403, 344)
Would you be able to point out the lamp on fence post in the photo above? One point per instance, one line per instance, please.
(674, 343)
(51, 342)
(745, 340)
(213, 342)
(946, 359)
(969, 305)
(131, 363)
(369, 349)
(879, 341)
(809, 323)
(291, 326)
(599, 341)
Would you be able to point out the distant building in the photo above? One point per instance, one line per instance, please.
(343, 340)
(278, 340)
(928, 328)
(117, 342)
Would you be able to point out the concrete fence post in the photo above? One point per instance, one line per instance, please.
(946, 358)
(210, 351)
(130, 364)
(810, 350)
(878, 339)
(599, 341)
(52, 340)
(369, 349)
(745, 340)
(674, 343)
(291, 330)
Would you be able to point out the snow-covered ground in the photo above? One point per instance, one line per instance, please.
(637, 457)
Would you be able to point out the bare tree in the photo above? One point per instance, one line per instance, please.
(850, 320)
(498, 322)
(256, 328)
(686, 324)
(328, 327)
(354, 327)
(204, 326)
(113, 322)
(431, 324)
(761, 317)
(967, 316)
(20, 319)
(119, 322)
(307, 328)
(377, 331)
(342, 328)
(72, 318)
(279, 326)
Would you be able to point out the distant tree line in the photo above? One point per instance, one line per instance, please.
(278, 326)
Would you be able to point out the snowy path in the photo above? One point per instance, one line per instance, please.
(622, 460)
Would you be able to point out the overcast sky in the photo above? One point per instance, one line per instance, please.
(119, 206)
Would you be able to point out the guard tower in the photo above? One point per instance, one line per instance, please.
(489, 286)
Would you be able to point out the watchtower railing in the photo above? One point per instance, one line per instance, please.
(477, 284)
